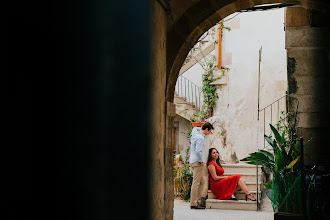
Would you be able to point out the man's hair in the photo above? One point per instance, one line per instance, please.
(207, 125)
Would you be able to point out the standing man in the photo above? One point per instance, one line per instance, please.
(197, 163)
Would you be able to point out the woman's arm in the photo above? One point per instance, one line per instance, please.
(213, 173)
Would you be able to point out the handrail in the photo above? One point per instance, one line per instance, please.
(264, 123)
(272, 103)
(271, 115)
(189, 91)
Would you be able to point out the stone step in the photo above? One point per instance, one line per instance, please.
(241, 168)
(231, 205)
(248, 177)
(238, 195)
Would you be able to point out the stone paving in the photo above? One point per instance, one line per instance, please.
(182, 211)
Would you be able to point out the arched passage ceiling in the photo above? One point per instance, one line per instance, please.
(188, 20)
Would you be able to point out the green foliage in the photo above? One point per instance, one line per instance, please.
(285, 157)
(223, 27)
(284, 163)
(209, 91)
(268, 185)
(185, 180)
(283, 125)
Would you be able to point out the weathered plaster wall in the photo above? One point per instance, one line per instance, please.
(236, 135)
(182, 143)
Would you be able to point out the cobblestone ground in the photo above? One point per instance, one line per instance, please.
(182, 211)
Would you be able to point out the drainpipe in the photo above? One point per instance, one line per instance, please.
(219, 46)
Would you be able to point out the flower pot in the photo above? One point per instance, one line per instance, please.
(197, 124)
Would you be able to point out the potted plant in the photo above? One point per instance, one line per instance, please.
(196, 120)
(284, 164)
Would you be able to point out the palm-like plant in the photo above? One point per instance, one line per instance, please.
(284, 164)
(286, 154)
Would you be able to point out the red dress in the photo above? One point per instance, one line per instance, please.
(223, 189)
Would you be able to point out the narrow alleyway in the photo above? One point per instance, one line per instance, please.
(182, 211)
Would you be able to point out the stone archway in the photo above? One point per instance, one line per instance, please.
(177, 27)
(186, 26)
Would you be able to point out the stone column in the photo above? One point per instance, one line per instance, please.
(308, 69)
(158, 112)
(169, 161)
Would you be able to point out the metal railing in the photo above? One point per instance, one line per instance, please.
(187, 90)
(271, 113)
(272, 109)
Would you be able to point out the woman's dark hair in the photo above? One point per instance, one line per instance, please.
(209, 158)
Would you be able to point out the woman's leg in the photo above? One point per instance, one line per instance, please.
(241, 183)
(238, 188)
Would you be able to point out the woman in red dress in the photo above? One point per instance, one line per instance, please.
(224, 187)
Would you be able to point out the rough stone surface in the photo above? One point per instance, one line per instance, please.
(308, 82)
(157, 172)
(172, 40)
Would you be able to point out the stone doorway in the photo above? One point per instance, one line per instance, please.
(177, 27)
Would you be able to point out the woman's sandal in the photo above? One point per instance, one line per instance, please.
(246, 198)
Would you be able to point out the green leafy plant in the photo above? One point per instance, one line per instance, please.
(223, 27)
(283, 125)
(284, 163)
(185, 178)
(209, 91)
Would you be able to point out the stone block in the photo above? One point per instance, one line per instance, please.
(309, 85)
(240, 168)
(308, 61)
(231, 205)
(313, 119)
(227, 10)
(318, 149)
(306, 37)
(248, 177)
(309, 103)
(296, 17)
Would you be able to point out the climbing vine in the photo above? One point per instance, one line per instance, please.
(222, 26)
(209, 91)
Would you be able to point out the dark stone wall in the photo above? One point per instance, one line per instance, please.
(307, 44)
(78, 109)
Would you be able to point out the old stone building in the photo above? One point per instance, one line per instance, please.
(236, 135)
(178, 25)
(90, 99)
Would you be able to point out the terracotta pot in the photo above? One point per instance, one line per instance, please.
(197, 124)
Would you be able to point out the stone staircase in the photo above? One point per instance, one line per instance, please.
(248, 173)
(183, 108)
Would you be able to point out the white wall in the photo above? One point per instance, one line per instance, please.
(181, 143)
(235, 136)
